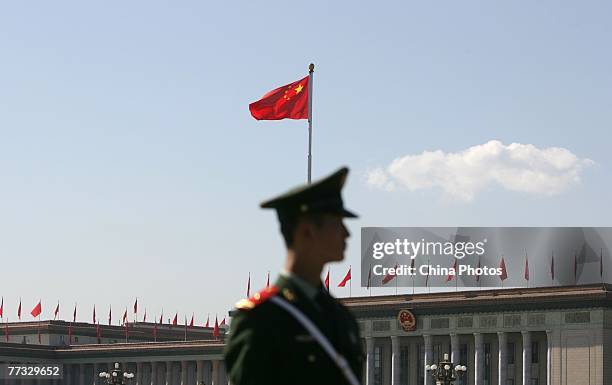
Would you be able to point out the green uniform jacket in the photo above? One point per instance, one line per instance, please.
(268, 346)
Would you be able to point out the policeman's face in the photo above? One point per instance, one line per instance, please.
(329, 238)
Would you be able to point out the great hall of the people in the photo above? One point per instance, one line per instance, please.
(528, 336)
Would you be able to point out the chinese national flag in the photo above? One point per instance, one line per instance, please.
(222, 322)
(389, 277)
(504, 272)
(327, 280)
(347, 278)
(191, 323)
(207, 323)
(526, 268)
(451, 276)
(37, 310)
(216, 329)
(175, 320)
(287, 102)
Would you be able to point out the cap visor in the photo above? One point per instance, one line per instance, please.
(348, 214)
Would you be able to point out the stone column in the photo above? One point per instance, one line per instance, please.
(369, 361)
(139, 373)
(526, 357)
(215, 372)
(96, 371)
(549, 347)
(478, 359)
(428, 357)
(199, 372)
(413, 363)
(395, 360)
(153, 373)
(81, 373)
(454, 337)
(502, 363)
(67, 374)
(168, 372)
(183, 372)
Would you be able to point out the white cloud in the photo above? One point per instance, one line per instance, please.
(515, 167)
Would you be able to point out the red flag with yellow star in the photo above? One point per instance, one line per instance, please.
(287, 102)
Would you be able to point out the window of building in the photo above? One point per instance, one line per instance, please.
(76, 339)
(535, 352)
(511, 353)
(487, 364)
(378, 365)
(404, 365)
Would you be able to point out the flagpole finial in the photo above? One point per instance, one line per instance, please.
(311, 68)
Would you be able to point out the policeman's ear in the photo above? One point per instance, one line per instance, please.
(304, 231)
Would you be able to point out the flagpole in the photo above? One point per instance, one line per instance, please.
(310, 80)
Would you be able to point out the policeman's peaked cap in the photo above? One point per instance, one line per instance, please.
(321, 196)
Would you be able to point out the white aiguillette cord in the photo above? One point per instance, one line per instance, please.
(321, 339)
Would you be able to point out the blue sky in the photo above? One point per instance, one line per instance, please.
(131, 167)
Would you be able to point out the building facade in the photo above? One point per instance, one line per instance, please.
(527, 336)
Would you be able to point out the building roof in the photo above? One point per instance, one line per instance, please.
(485, 300)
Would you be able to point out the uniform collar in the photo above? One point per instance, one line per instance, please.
(309, 290)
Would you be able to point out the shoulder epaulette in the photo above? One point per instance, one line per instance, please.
(257, 298)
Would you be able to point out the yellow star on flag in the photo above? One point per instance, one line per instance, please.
(298, 89)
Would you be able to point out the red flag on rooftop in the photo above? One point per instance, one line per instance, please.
(526, 268)
(504, 272)
(144, 318)
(451, 276)
(125, 319)
(56, 312)
(389, 277)
(74, 314)
(191, 323)
(19, 310)
(287, 102)
(346, 278)
(207, 322)
(327, 280)
(216, 329)
(2, 308)
(268, 281)
(94, 315)
(136, 306)
(222, 322)
(37, 310)
(175, 320)
(161, 317)
(110, 313)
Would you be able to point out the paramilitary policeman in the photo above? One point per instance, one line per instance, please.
(295, 332)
